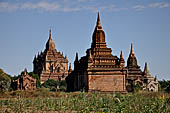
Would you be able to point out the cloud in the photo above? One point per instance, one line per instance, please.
(159, 5)
(152, 5)
(51, 7)
(43, 6)
(74, 6)
(5, 6)
(139, 7)
(86, 0)
(68, 9)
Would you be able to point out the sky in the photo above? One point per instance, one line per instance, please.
(25, 24)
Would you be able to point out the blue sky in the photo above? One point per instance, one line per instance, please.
(25, 24)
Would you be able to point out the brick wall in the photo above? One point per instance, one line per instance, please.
(110, 83)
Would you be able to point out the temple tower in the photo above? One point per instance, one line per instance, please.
(50, 64)
(132, 61)
(99, 70)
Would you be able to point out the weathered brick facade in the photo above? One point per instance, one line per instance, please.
(99, 70)
(24, 82)
(50, 64)
(107, 83)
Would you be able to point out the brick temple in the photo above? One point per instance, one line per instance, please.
(50, 64)
(99, 70)
(24, 82)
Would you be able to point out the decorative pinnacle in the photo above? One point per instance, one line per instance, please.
(132, 52)
(25, 71)
(121, 55)
(98, 20)
(50, 34)
(76, 59)
(70, 66)
(70, 69)
(90, 54)
(146, 68)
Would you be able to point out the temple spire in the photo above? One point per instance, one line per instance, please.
(146, 69)
(76, 59)
(121, 55)
(50, 45)
(50, 37)
(25, 71)
(98, 24)
(132, 61)
(70, 69)
(122, 61)
(132, 51)
(98, 19)
(98, 38)
(76, 62)
(35, 58)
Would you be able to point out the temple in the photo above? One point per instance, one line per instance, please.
(101, 71)
(50, 64)
(24, 82)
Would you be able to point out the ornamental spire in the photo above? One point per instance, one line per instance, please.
(50, 45)
(122, 61)
(50, 37)
(76, 59)
(146, 69)
(121, 55)
(132, 61)
(70, 69)
(98, 24)
(132, 51)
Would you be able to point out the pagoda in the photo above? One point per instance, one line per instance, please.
(99, 70)
(50, 64)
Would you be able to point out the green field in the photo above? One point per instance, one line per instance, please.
(42, 101)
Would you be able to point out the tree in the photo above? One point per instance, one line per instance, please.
(33, 75)
(137, 87)
(5, 81)
(50, 83)
(54, 85)
(62, 85)
(165, 85)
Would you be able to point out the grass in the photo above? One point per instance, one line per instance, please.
(53, 102)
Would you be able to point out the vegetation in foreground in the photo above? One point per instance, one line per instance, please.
(47, 99)
(42, 100)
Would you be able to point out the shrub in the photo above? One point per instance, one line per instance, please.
(38, 84)
(165, 85)
(53, 89)
(5, 81)
(50, 83)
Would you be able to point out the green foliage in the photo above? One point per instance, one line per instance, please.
(38, 84)
(5, 81)
(137, 87)
(4, 76)
(14, 77)
(82, 102)
(165, 85)
(62, 85)
(50, 83)
(34, 75)
(54, 85)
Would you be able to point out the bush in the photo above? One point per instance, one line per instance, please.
(55, 85)
(53, 89)
(38, 84)
(137, 87)
(165, 85)
(50, 83)
(5, 81)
